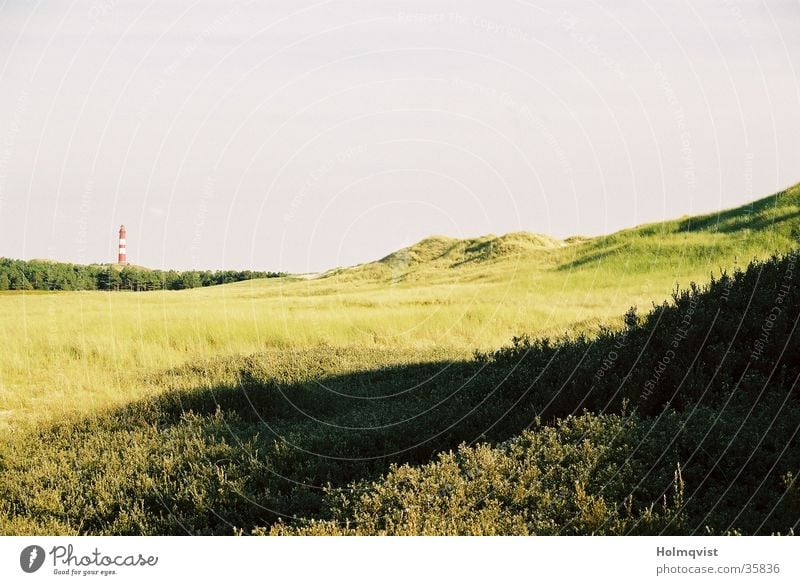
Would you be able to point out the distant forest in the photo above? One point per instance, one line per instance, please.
(44, 275)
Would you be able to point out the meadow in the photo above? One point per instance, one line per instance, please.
(70, 352)
(384, 397)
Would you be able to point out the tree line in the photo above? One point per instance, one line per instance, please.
(44, 275)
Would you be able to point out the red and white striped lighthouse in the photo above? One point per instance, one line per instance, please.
(123, 257)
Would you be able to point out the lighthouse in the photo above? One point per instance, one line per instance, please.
(123, 257)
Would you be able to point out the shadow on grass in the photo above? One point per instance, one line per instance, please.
(591, 257)
(735, 221)
(207, 460)
(225, 458)
(237, 455)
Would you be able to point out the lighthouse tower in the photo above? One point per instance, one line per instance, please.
(123, 256)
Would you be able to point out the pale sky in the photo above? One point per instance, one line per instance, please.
(300, 135)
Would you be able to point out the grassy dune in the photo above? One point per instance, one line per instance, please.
(72, 352)
(566, 436)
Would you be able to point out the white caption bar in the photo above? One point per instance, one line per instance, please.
(354, 561)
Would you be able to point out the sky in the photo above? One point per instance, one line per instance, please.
(301, 135)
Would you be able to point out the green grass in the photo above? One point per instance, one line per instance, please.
(565, 436)
(66, 353)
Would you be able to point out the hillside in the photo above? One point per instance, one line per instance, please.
(452, 253)
(767, 225)
(448, 299)
(438, 253)
(683, 421)
(332, 405)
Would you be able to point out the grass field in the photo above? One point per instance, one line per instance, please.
(68, 353)
(389, 398)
